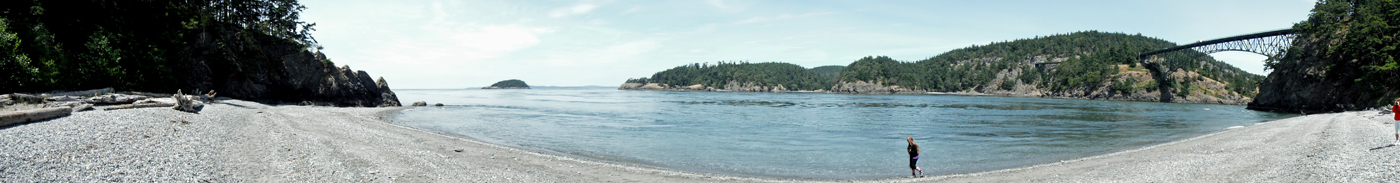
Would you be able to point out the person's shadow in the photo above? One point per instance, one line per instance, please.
(1383, 147)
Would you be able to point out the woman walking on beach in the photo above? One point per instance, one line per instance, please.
(1395, 109)
(914, 156)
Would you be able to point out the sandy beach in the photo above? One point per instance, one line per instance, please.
(234, 141)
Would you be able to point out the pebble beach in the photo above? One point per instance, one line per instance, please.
(237, 141)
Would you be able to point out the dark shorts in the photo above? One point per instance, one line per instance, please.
(912, 161)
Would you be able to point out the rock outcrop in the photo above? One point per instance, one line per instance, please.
(862, 87)
(1303, 85)
(273, 70)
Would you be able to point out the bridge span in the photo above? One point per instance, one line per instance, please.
(1271, 44)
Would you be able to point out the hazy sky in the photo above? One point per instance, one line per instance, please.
(465, 44)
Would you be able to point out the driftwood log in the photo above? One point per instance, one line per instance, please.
(152, 102)
(81, 93)
(144, 105)
(178, 101)
(114, 99)
(26, 116)
(188, 103)
(26, 98)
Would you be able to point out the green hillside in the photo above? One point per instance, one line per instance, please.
(830, 71)
(1088, 64)
(1089, 61)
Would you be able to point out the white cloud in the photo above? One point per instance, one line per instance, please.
(723, 4)
(625, 51)
(719, 4)
(784, 16)
(580, 8)
(634, 9)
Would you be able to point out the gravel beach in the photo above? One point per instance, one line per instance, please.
(236, 141)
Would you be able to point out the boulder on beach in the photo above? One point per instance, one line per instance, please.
(508, 84)
(420, 103)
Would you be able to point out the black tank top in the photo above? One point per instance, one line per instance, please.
(913, 150)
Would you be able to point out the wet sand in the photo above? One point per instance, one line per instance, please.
(244, 141)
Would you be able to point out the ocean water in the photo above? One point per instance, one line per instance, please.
(811, 135)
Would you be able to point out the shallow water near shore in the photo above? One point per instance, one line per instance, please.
(811, 135)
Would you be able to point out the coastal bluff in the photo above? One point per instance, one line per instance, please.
(283, 72)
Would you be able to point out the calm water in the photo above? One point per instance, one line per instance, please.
(811, 135)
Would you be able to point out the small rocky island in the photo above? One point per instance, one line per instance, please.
(508, 84)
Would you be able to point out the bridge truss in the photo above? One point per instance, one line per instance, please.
(1271, 44)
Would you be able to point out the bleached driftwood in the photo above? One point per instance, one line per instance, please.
(26, 98)
(114, 99)
(64, 98)
(147, 94)
(25, 116)
(187, 103)
(81, 93)
(152, 102)
(133, 106)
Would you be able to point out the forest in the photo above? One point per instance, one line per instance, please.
(139, 45)
(1091, 55)
(1091, 59)
(791, 76)
(1361, 50)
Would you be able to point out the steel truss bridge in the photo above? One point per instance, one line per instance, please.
(1271, 44)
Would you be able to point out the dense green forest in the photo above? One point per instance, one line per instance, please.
(511, 83)
(830, 71)
(1362, 45)
(1091, 59)
(137, 45)
(718, 75)
(1088, 60)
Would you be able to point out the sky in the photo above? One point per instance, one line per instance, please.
(424, 44)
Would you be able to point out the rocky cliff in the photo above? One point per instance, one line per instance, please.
(1344, 58)
(1302, 84)
(272, 70)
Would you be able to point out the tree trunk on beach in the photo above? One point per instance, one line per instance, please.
(18, 117)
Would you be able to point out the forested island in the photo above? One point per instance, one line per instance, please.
(1085, 65)
(740, 76)
(508, 84)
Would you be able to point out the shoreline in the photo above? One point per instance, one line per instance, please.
(934, 93)
(244, 141)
